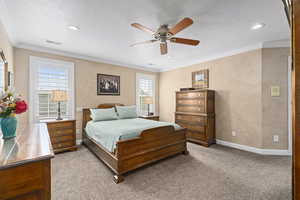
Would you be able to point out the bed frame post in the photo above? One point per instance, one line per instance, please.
(118, 178)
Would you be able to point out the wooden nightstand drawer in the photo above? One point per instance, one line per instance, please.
(62, 124)
(60, 132)
(63, 145)
(66, 138)
(62, 135)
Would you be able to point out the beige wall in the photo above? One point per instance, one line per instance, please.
(85, 81)
(275, 109)
(6, 46)
(242, 89)
(242, 83)
(236, 80)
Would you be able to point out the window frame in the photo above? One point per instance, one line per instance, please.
(3, 61)
(33, 67)
(138, 103)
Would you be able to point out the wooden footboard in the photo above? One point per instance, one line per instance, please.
(152, 145)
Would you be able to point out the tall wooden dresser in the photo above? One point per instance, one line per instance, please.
(195, 110)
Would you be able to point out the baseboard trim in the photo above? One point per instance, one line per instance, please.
(275, 152)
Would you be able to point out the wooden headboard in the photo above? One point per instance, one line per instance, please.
(87, 114)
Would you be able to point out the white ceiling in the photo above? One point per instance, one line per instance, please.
(105, 32)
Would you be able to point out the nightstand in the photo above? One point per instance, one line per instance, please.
(62, 134)
(151, 117)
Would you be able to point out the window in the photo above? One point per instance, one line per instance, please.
(45, 76)
(145, 93)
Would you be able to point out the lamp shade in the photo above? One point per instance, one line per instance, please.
(147, 100)
(59, 95)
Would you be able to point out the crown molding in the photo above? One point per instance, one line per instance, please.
(216, 56)
(269, 44)
(79, 56)
(277, 44)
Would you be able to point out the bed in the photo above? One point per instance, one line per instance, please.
(138, 150)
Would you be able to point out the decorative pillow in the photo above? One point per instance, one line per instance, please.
(103, 114)
(126, 112)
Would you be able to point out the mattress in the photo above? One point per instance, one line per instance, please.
(108, 133)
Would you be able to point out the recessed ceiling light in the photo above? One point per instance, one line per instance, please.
(74, 28)
(53, 42)
(258, 26)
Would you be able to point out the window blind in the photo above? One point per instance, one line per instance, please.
(145, 87)
(49, 76)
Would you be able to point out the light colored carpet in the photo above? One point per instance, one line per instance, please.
(215, 173)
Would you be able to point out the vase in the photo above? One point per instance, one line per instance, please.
(8, 127)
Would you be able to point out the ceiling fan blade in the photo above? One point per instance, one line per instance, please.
(185, 41)
(145, 42)
(163, 48)
(143, 28)
(181, 25)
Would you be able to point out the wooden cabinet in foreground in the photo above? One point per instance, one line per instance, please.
(195, 110)
(63, 135)
(25, 167)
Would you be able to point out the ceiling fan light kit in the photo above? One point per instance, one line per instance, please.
(164, 34)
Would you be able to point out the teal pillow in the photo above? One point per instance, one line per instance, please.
(103, 114)
(126, 112)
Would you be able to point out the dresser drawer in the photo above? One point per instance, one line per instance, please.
(196, 135)
(191, 102)
(190, 95)
(191, 108)
(63, 145)
(192, 127)
(66, 138)
(191, 119)
(61, 132)
(56, 125)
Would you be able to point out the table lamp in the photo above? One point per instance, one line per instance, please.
(148, 100)
(59, 96)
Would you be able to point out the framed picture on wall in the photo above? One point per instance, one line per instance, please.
(200, 79)
(108, 84)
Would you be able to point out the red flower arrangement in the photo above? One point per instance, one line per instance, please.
(21, 107)
(11, 104)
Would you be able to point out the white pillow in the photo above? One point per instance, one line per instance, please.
(103, 114)
(126, 112)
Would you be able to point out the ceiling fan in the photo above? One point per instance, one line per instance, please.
(164, 34)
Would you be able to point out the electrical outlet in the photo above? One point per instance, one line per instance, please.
(275, 138)
(233, 133)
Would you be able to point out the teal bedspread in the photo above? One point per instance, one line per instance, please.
(108, 133)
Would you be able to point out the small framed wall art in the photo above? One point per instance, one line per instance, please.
(108, 84)
(200, 79)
